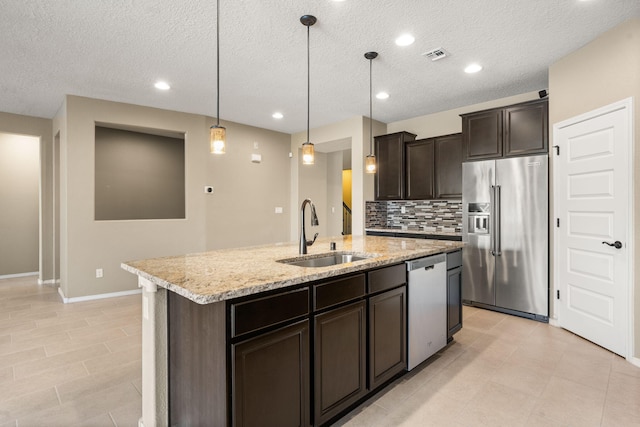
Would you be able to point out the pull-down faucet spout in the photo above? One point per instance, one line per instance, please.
(314, 222)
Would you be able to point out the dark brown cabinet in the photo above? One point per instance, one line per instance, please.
(419, 169)
(423, 169)
(340, 359)
(387, 336)
(515, 130)
(270, 379)
(454, 293)
(526, 129)
(389, 177)
(448, 166)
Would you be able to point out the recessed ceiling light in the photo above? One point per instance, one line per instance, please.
(277, 115)
(405, 40)
(162, 85)
(473, 68)
(382, 95)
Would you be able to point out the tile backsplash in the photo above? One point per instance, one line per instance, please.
(418, 215)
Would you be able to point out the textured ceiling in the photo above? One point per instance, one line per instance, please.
(117, 49)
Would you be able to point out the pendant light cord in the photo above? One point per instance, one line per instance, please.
(218, 61)
(370, 107)
(308, 84)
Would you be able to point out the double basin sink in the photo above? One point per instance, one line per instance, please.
(326, 260)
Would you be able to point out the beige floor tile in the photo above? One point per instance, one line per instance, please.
(22, 356)
(370, 415)
(44, 380)
(102, 420)
(37, 367)
(497, 405)
(538, 420)
(21, 406)
(32, 343)
(137, 383)
(82, 409)
(127, 416)
(92, 384)
(587, 370)
(48, 330)
(621, 366)
(531, 380)
(124, 343)
(110, 361)
(625, 389)
(135, 329)
(618, 414)
(5, 339)
(15, 326)
(10, 424)
(6, 375)
(570, 403)
(84, 341)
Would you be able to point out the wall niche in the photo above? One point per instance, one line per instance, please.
(138, 174)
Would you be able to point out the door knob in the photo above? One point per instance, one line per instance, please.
(615, 244)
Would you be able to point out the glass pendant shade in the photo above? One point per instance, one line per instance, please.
(370, 164)
(308, 154)
(217, 139)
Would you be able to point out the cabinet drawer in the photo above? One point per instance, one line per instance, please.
(454, 259)
(387, 278)
(337, 291)
(259, 313)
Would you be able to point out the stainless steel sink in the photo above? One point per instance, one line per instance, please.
(325, 260)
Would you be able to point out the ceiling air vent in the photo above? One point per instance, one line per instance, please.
(435, 54)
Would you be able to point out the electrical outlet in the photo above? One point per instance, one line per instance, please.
(278, 209)
(99, 273)
(403, 209)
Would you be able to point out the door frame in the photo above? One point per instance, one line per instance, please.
(626, 105)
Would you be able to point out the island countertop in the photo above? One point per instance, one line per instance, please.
(224, 274)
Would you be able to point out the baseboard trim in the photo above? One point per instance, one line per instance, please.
(98, 296)
(634, 361)
(13, 276)
(554, 322)
(49, 282)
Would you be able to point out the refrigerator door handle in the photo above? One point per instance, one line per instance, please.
(498, 244)
(492, 211)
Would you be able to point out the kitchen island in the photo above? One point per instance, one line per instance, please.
(199, 338)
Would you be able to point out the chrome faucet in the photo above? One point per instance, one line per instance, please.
(314, 221)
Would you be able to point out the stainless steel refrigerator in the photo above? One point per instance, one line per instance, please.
(506, 230)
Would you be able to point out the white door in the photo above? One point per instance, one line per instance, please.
(593, 195)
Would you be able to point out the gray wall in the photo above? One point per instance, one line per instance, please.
(19, 198)
(138, 175)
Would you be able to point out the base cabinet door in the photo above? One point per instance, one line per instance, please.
(271, 378)
(340, 359)
(454, 301)
(387, 335)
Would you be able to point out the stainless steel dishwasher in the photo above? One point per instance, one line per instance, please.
(427, 311)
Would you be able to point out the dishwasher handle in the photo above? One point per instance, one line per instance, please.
(426, 263)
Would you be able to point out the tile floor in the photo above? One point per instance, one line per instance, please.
(79, 365)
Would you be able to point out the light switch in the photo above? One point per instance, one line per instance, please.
(256, 158)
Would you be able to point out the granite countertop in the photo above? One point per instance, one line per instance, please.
(426, 233)
(220, 275)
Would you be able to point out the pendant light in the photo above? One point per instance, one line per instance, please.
(217, 133)
(370, 160)
(308, 154)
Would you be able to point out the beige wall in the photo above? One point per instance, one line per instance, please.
(356, 129)
(20, 201)
(447, 122)
(239, 212)
(41, 128)
(584, 81)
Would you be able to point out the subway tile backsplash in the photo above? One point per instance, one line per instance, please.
(418, 215)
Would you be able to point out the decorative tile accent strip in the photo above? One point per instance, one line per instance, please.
(418, 215)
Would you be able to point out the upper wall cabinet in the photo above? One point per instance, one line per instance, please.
(516, 130)
(448, 166)
(426, 169)
(420, 175)
(389, 178)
